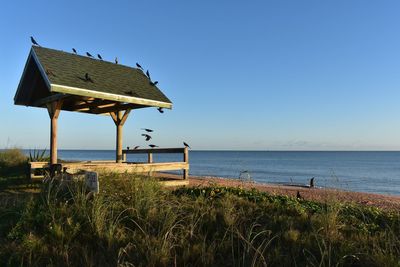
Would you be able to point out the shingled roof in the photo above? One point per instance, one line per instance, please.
(51, 74)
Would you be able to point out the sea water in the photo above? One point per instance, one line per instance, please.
(366, 171)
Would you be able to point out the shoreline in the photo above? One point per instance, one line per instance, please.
(315, 194)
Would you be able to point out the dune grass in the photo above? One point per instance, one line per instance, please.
(135, 222)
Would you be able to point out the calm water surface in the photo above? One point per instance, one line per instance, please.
(377, 172)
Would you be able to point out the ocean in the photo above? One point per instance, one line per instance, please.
(366, 171)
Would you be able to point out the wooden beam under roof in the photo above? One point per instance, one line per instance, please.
(117, 107)
(49, 99)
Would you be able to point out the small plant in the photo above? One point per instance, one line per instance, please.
(37, 155)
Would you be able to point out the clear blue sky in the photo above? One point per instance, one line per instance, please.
(269, 75)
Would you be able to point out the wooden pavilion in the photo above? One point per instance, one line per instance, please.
(58, 80)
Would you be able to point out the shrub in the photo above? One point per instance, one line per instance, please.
(12, 160)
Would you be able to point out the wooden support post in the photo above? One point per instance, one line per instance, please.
(150, 157)
(119, 120)
(54, 109)
(186, 160)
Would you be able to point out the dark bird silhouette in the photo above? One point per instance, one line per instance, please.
(148, 130)
(160, 110)
(138, 65)
(129, 92)
(153, 146)
(87, 77)
(34, 41)
(154, 83)
(89, 55)
(186, 145)
(148, 74)
(74, 50)
(136, 147)
(116, 60)
(98, 55)
(127, 147)
(148, 137)
(298, 196)
(312, 182)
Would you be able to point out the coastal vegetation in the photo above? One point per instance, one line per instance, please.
(133, 221)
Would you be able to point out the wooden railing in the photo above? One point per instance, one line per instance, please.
(139, 167)
(151, 151)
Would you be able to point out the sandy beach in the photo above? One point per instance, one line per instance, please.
(316, 193)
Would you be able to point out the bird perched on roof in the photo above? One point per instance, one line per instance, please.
(148, 130)
(154, 83)
(148, 137)
(186, 145)
(98, 55)
(136, 147)
(116, 60)
(34, 41)
(129, 92)
(312, 182)
(87, 77)
(89, 55)
(138, 65)
(160, 110)
(127, 148)
(153, 146)
(74, 50)
(148, 74)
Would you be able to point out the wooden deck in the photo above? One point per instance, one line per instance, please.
(127, 167)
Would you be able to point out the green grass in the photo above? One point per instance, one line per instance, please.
(135, 222)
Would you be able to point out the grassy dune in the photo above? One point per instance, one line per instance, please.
(134, 222)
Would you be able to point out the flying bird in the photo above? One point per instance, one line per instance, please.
(74, 50)
(148, 137)
(89, 55)
(138, 65)
(160, 110)
(153, 146)
(116, 60)
(147, 130)
(186, 145)
(98, 55)
(148, 74)
(136, 147)
(34, 41)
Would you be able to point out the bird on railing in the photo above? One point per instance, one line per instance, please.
(153, 146)
(160, 110)
(148, 137)
(74, 50)
(186, 145)
(89, 55)
(34, 41)
(127, 148)
(147, 130)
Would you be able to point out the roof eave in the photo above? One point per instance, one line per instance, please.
(108, 96)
